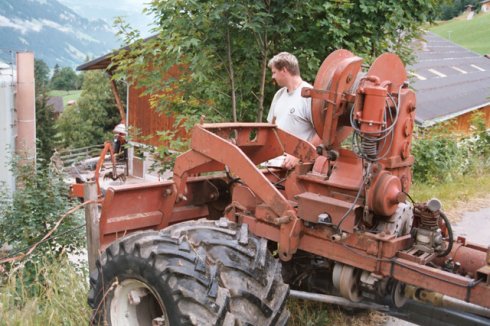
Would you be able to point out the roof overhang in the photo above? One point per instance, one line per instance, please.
(99, 63)
(428, 123)
(104, 61)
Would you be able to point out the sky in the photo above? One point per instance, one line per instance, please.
(131, 10)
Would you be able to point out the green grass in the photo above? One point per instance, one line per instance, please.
(310, 313)
(67, 95)
(462, 190)
(471, 34)
(61, 299)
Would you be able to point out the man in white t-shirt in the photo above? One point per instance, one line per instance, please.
(290, 111)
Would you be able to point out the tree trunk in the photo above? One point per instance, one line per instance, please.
(263, 68)
(231, 75)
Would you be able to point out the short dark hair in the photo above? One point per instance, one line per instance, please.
(285, 60)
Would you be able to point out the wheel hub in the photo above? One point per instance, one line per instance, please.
(134, 303)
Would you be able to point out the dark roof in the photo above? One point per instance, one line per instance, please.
(57, 103)
(99, 63)
(104, 61)
(449, 80)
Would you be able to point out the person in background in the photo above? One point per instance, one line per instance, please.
(289, 110)
(119, 141)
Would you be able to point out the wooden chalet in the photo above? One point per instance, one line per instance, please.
(137, 114)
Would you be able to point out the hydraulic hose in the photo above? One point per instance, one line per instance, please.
(450, 235)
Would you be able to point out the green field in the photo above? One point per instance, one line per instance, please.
(471, 34)
(67, 95)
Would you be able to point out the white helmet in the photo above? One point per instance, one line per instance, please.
(120, 129)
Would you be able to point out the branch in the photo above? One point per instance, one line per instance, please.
(34, 246)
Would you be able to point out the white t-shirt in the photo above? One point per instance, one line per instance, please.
(293, 112)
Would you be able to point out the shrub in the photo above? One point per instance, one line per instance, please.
(442, 155)
(39, 202)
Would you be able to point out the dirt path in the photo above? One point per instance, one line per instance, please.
(462, 208)
(475, 226)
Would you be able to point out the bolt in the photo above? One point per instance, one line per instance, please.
(159, 321)
(324, 218)
(135, 296)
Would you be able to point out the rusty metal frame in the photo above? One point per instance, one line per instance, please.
(355, 250)
(274, 214)
(76, 189)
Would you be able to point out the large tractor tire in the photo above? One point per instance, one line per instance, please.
(193, 273)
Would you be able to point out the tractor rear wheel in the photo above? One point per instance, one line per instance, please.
(193, 273)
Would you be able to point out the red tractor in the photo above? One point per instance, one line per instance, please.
(225, 240)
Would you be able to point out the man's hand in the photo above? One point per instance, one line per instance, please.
(290, 162)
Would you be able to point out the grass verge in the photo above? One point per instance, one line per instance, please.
(465, 193)
(470, 34)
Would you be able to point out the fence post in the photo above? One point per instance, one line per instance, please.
(92, 224)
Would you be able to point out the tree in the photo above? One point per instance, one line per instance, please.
(451, 9)
(92, 119)
(64, 79)
(45, 130)
(222, 47)
(41, 75)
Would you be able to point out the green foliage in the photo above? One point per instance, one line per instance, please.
(453, 8)
(91, 120)
(65, 79)
(438, 159)
(222, 48)
(60, 299)
(39, 202)
(41, 76)
(45, 130)
(442, 156)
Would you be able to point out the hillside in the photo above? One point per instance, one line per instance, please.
(55, 33)
(471, 34)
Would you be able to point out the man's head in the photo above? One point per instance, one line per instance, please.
(283, 66)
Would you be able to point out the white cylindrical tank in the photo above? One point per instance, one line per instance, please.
(7, 125)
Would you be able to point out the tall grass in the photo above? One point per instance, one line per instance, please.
(310, 313)
(56, 296)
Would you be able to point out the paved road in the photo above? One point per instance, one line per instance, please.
(475, 226)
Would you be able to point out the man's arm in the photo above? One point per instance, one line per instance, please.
(291, 161)
(316, 140)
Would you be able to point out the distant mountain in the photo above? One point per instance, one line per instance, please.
(55, 33)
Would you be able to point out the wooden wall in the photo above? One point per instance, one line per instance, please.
(463, 122)
(146, 120)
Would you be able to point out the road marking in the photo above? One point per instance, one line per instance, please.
(459, 69)
(479, 68)
(418, 76)
(435, 72)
